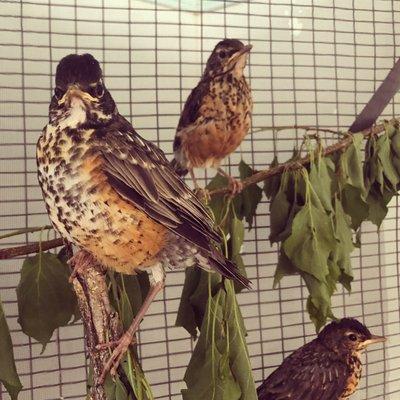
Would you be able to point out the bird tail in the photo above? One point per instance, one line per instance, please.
(177, 167)
(215, 261)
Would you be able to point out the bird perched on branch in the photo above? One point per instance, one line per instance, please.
(114, 194)
(217, 113)
(327, 368)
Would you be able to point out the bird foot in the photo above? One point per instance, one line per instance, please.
(79, 262)
(121, 347)
(235, 186)
(202, 194)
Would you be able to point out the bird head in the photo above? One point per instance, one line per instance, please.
(348, 336)
(228, 55)
(80, 92)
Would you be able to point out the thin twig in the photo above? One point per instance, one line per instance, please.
(268, 173)
(12, 252)
(304, 127)
(23, 231)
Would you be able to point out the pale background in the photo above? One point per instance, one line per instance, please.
(313, 62)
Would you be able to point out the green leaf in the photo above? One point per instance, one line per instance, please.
(187, 316)
(355, 205)
(45, 297)
(352, 182)
(321, 177)
(311, 239)
(235, 244)
(120, 391)
(284, 268)
(218, 203)
(8, 372)
(271, 185)
(220, 367)
(344, 248)
(383, 150)
(136, 378)
(249, 198)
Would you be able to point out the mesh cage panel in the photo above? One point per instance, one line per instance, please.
(314, 62)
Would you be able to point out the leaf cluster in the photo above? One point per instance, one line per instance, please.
(316, 213)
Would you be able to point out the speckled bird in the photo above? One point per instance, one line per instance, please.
(217, 114)
(114, 194)
(327, 368)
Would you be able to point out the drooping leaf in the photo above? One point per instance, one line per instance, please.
(235, 244)
(351, 179)
(248, 200)
(8, 371)
(136, 378)
(310, 241)
(341, 253)
(220, 366)
(284, 268)
(271, 185)
(186, 316)
(45, 297)
(321, 177)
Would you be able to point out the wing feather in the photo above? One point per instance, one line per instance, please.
(140, 173)
(307, 374)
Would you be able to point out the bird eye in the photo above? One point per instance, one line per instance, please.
(99, 90)
(222, 54)
(59, 93)
(352, 337)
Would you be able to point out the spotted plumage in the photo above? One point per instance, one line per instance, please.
(327, 368)
(217, 114)
(111, 192)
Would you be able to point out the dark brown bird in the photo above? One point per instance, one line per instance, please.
(327, 368)
(114, 194)
(217, 113)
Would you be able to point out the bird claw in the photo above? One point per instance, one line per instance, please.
(235, 186)
(122, 346)
(202, 194)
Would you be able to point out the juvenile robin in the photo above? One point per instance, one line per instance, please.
(217, 114)
(327, 368)
(114, 194)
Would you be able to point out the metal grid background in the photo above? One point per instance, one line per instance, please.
(313, 62)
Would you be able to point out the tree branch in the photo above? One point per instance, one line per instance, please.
(268, 173)
(257, 177)
(12, 252)
(100, 323)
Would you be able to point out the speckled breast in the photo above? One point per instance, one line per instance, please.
(354, 377)
(226, 118)
(86, 210)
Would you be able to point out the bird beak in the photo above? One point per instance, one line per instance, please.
(235, 57)
(375, 339)
(74, 91)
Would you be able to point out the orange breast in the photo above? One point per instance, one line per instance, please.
(120, 235)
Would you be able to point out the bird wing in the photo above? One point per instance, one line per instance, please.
(307, 374)
(139, 172)
(193, 103)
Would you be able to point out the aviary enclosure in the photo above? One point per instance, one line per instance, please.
(313, 66)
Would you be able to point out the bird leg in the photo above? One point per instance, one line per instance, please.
(129, 336)
(235, 185)
(201, 193)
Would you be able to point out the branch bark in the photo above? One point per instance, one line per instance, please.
(257, 177)
(16, 251)
(101, 324)
(268, 173)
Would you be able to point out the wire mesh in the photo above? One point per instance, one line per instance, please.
(314, 62)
